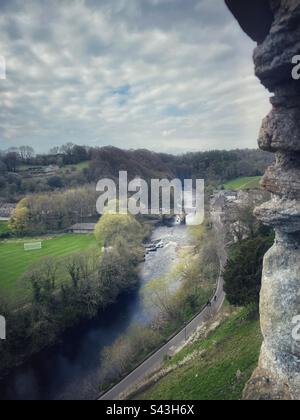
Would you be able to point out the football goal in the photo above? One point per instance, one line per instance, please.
(33, 246)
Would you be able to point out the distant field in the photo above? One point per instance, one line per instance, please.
(14, 261)
(243, 183)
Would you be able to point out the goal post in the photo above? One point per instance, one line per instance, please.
(33, 246)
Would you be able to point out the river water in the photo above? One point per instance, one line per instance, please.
(71, 369)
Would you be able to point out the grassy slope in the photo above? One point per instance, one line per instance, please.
(233, 347)
(14, 261)
(243, 183)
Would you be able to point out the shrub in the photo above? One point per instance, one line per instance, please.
(243, 272)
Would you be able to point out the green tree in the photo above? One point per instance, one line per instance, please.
(55, 182)
(125, 226)
(19, 222)
(243, 272)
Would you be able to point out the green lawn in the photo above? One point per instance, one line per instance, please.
(233, 347)
(14, 261)
(243, 183)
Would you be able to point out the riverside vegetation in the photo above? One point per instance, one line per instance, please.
(220, 361)
(197, 273)
(63, 291)
(56, 292)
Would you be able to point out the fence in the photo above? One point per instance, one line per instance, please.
(33, 246)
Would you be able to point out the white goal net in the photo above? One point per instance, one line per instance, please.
(33, 246)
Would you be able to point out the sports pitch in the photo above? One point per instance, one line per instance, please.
(15, 262)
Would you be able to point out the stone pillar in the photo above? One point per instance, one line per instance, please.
(275, 25)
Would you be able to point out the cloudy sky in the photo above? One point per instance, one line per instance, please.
(167, 75)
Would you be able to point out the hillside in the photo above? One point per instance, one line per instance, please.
(216, 367)
(79, 166)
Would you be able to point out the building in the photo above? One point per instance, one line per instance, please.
(83, 228)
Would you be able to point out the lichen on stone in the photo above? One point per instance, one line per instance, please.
(278, 374)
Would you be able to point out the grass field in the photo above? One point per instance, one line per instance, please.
(14, 261)
(212, 374)
(243, 183)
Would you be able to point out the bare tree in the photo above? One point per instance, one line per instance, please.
(26, 153)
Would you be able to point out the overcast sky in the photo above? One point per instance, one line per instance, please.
(167, 75)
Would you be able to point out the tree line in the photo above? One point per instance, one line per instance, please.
(42, 213)
(215, 167)
(64, 291)
(16, 180)
(68, 154)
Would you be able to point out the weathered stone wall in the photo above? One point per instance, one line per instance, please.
(275, 25)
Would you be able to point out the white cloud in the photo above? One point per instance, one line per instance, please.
(164, 75)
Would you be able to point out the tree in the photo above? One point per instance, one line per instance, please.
(125, 226)
(41, 279)
(3, 167)
(74, 270)
(247, 223)
(122, 356)
(67, 151)
(79, 154)
(117, 271)
(50, 267)
(58, 211)
(19, 222)
(54, 151)
(11, 160)
(26, 153)
(243, 272)
(67, 148)
(160, 297)
(55, 182)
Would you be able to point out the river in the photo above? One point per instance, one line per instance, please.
(71, 370)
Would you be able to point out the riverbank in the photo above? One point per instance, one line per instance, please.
(63, 292)
(72, 369)
(197, 272)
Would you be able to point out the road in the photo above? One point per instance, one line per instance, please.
(154, 362)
